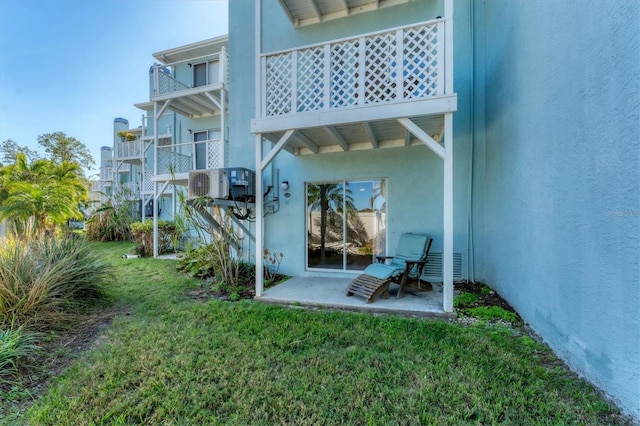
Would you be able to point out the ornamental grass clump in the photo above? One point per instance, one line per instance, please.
(45, 281)
(16, 344)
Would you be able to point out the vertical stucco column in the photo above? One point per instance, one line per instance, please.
(447, 249)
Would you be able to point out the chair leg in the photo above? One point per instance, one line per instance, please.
(403, 281)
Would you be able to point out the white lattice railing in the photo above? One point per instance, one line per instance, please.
(164, 82)
(147, 182)
(127, 190)
(129, 149)
(173, 162)
(106, 173)
(215, 154)
(392, 66)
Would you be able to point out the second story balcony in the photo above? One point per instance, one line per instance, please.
(399, 72)
(129, 149)
(192, 79)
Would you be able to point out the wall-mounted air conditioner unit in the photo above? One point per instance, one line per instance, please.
(212, 183)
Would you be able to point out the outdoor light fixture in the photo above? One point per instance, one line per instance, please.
(284, 185)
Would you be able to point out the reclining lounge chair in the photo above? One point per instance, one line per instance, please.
(410, 258)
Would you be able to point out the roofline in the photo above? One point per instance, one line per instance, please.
(161, 56)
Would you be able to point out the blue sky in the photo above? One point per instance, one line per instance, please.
(75, 65)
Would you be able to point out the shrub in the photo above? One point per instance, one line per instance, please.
(109, 223)
(465, 299)
(43, 281)
(15, 344)
(493, 313)
(142, 235)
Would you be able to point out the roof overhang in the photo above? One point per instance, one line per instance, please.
(307, 12)
(194, 50)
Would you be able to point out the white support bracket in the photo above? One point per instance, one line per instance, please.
(423, 136)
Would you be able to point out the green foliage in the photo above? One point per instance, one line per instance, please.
(219, 239)
(112, 220)
(9, 151)
(66, 149)
(142, 235)
(42, 193)
(465, 299)
(485, 289)
(271, 262)
(16, 344)
(45, 280)
(492, 313)
(170, 359)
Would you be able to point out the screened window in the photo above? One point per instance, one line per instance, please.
(346, 223)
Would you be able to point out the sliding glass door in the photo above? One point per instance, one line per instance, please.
(346, 223)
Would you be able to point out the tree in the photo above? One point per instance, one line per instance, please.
(10, 149)
(65, 149)
(41, 193)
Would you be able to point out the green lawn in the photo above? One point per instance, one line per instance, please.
(169, 359)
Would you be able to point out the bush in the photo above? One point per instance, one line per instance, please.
(142, 235)
(109, 223)
(43, 281)
(15, 344)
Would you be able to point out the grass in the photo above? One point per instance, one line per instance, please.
(15, 345)
(46, 280)
(169, 359)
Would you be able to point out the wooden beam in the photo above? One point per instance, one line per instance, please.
(337, 137)
(371, 134)
(307, 142)
(316, 9)
(420, 134)
(215, 100)
(274, 151)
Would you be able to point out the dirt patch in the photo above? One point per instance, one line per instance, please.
(58, 349)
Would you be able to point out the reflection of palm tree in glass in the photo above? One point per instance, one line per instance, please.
(328, 198)
(378, 204)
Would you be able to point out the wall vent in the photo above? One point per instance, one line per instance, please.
(433, 269)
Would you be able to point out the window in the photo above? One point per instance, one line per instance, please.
(201, 151)
(206, 73)
(346, 223)
(200, 75)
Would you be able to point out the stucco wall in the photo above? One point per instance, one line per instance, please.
(414, 174)
(561, 192)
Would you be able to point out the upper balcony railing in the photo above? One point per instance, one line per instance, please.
(131, 149)
(164, 83)
(173, 162)
(392, 66)
(106, 174)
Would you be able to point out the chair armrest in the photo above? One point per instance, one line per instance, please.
(411, 263)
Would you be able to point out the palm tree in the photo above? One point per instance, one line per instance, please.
(42, 193)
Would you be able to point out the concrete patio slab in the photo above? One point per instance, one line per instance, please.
(330, 293)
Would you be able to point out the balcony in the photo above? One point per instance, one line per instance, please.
(172, 165)
(183, 98)
(129, 150)
(322, 90)
(106, 175)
